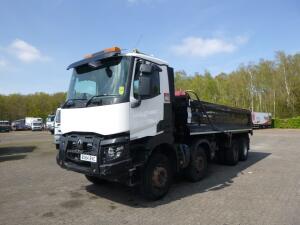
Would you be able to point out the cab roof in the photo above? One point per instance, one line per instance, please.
(111, 52)
(147, 57)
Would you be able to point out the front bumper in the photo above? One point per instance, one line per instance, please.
(120, 169)
(36, 128)
(57, 138)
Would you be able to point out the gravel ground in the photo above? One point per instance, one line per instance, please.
(263, 190)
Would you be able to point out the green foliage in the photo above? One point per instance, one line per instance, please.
(17, 106)
(287, 123)
(268, 86)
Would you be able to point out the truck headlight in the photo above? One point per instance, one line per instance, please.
(113, 152)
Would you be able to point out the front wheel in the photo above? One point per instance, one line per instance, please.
(157, 177)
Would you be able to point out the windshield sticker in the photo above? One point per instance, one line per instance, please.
(121, 90)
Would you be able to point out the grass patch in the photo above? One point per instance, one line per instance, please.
(287, 123)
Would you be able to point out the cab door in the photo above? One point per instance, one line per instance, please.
(146, 114)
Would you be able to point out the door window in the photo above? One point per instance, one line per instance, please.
(155, 80)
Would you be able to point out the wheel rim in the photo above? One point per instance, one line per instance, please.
(159, 177)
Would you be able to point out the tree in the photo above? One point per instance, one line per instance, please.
(267, 86)
(17, 106)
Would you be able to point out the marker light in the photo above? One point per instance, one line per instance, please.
(87, 56)
(112, 49)
(107, 50)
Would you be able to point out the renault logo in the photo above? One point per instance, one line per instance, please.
(80, 144)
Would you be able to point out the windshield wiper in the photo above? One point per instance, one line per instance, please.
(70, 102)
(97, 96)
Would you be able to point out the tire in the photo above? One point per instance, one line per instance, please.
(95, 180)
(57, 146)
(232, 154)
(156, 177)
(197, 169)
(243, 149)
(220, 156)
(52, 132)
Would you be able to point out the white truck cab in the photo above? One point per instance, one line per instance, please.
(104, 101)
(36, 125)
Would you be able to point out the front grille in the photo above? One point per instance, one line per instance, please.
(73, 145)
(85, 146)
(80, 144)
(74, 156)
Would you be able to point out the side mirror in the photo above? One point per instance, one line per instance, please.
(144, 90)
(146, 68)
(145, 86)
(149, 68)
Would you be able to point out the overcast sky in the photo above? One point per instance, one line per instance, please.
(39, 39)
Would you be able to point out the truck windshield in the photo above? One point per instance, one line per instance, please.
(105, 78)
(50, 118)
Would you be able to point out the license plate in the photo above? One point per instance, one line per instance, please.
(88, 158)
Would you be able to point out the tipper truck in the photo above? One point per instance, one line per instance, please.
(123, 122)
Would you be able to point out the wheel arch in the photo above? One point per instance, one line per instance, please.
(170, 152)
(205, 144)
(244, 136)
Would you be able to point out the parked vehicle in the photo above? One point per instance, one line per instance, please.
(18, 125)
(261, 120)
(122, 122)
(30, 120)
(50, 123)
(57, 130)
(36, 125)
(4, 126)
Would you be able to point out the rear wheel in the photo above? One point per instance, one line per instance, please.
(157, 177)
(57, 146)
(95, 180)
(244, 150)
(220, 156)
(197, 168)
(232, 154)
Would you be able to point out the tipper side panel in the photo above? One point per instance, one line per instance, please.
(194, 116)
